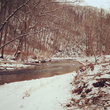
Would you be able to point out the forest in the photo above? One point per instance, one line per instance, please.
(50, 28)
(54, 55)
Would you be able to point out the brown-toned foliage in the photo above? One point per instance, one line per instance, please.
(51, 26)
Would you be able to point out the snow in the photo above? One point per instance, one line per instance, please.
(12, 66)
(51, 93)
(87, 79)
(39, 94)
(8, 64)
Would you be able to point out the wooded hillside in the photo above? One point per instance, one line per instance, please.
(48, 27)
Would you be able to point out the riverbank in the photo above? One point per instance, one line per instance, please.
(60, 92)
(91, 88)
(40, 94)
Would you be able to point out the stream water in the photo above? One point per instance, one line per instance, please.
(55, 67)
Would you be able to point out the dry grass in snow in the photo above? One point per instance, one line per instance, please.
(91, 88)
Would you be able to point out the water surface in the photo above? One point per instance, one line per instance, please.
(55, 67)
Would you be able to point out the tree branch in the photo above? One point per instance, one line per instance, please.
(57, 17)
(3, 24)
(21, 36)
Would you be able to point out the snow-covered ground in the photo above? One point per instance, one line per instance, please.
(40, 94)
(91, 88)
(53, 93)
(7, 64)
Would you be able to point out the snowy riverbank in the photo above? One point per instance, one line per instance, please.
(53, 93)
(40, 94)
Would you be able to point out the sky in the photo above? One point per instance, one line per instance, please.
(98, 3)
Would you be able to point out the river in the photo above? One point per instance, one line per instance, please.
(55, 67)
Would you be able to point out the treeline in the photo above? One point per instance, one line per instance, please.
(48, 27)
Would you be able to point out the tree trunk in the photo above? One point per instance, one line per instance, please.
(4, 41)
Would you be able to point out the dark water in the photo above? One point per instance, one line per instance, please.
(56, 67)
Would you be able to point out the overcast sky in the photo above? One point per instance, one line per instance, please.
(98, 3)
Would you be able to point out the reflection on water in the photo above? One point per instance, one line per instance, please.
(56, 67)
